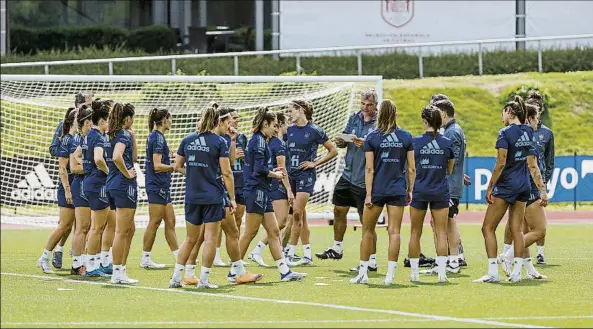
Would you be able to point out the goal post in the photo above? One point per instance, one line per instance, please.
(32, 106)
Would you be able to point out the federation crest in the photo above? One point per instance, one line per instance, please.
(307, 135)
(397, 13)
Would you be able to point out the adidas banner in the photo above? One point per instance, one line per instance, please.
(34, 181)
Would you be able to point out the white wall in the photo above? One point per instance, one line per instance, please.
(312, 24)
(308, 24)
(549, 18)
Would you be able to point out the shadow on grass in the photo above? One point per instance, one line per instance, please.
(348, 274)
(524, 283)
(548, 265)
(391, 286)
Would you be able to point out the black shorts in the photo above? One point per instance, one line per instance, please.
(347, 194)
(453, 208)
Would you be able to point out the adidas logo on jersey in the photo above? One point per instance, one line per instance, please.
(432, 148)
(523, 140)
(199, 145)
(37, 186)
(391, 141)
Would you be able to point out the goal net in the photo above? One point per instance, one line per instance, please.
(33, 105)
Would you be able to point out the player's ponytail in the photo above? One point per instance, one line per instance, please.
(156, 117)
(208, 120)
(69, 121)
(117, 116)
(516, 107)
(534, 97)
(432, 115)
(387, 116)
(263, 115)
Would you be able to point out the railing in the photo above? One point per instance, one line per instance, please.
(358, 50)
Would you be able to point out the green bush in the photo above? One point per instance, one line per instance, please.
(149, 39)
(152, 39)
(522, 91)
(396, 65)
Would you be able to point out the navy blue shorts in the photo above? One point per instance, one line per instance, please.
(198, 214)
(162, 196)
(434, 205)
(62, 203)
(304, 183)
(534, 196)
(394, 200)
(258, 202)
(78, 197)
(97, 200)
(511, 197)
(239, 196)
(278, 194)
(121, 199)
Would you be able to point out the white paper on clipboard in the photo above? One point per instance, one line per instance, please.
(346, 137)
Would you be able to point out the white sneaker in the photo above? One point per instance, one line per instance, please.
(257, 259)
(292, 276)
(290, 263)
(218, 262)
(432, 271)
(305, 261)
(414, 277)
(443, 278)
(453, 269)
(207, 285)
(43, 264)
(506, 265)
(123, 279)
(489, 278)
(150, 264)
(535, 276)
(360, 279)
(387, 281)
(514, 278)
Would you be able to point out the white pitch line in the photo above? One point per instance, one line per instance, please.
(280, 301)
(204, 322)
(552, 317)
(275, 322)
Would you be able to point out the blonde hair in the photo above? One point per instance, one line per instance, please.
(387, 116)
(208, 120)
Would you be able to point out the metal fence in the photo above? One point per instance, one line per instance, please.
(298, 53)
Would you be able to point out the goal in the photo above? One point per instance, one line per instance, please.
(32, 106)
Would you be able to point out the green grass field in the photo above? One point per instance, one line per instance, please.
(324, 299)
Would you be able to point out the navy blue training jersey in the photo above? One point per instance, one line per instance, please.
(518, 141)
(432, 157)
(302, 145)
(64, 152)
(258, 163)
(94, 178)
(241, 142)
(277, 149)
(202, 153)
(75, 141)
(116, 179)
(390, 154)
(157, 144)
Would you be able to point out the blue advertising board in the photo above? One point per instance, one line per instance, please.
(571, 180)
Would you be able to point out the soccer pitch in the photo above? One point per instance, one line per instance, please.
(324, 299)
